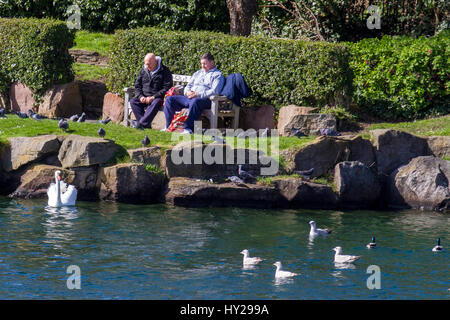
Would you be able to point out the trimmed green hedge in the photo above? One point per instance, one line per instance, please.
(35, 52)
(280, 72)
(402, 77)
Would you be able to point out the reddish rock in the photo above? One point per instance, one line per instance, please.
(21, 97)
(113, 107)
(287, 113)
(62, 100)
(257, 117)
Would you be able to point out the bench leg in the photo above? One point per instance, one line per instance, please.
(236, 118)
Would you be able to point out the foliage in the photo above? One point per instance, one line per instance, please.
(35, 52)
(402, 77)
(278, 71)
(108, 16)
(346, 20)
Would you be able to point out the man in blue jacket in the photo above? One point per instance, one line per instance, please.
(151, 85)
(204, 83)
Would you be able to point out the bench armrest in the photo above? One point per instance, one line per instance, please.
(218, 98)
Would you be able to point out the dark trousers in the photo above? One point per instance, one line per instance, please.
(176, 103)
(145, 113)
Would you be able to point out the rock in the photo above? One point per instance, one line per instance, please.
(35, 181)
(394, 148)
(423, 183)
(303, 194)
(21, 97)
(150, 155)
(439, 146)
(92, 95)
(310, 124)
(23, 150)
(62, 100)
(159, 122)
(80, 151)
(200, 193)
(113, 107)
(257, 117)
(286, 114)
(88, 57)
(356, 185)
(130, 183)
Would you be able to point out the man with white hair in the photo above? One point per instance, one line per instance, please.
(151, 85)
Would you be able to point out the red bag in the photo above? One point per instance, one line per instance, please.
(178, 120)
(172, 92)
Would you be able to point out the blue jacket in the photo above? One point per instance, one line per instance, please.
(236, 88)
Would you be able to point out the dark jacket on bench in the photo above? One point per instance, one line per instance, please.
(157, 85)
(236, 88)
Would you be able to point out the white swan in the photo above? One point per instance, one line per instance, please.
(281, 273)
(316, 231)
(342, 258)
(250, 260)
(59, 194)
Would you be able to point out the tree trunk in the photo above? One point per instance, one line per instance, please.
(241, 15)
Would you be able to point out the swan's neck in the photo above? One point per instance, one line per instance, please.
(245, 255)
(313, 228)
(58, 192)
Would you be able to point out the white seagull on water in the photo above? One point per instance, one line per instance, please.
(281, 273)
(316, 231)
(342, 258)
(250, 260)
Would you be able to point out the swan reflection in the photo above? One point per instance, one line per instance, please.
(58, 225)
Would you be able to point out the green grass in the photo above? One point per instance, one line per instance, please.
(428, 127)
(93, 41)
(89, 72)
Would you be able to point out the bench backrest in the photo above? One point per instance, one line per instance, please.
(180, 79)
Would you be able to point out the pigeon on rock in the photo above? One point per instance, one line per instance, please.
(101, 132)
(305, 173)
(297, 133)
(244, 175)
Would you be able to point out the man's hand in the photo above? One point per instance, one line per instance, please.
(147, 100)
(192, 94)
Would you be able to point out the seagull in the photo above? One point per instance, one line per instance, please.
(438, 247)
(74, 117)
(372, 244)
(22, 115)
(298, 133)
(106, 121)
(250, 260)
(35, 116)
(101, 132)
(316, 231)
(341, 258)
(281, 273)
(246, 176)
(145, 141)
(305, 173)
(82, 118)
(63, 124)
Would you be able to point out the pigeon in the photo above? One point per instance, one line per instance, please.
(438, 247)
(244, 175)
(372, 244)
(250, 260)
(106, 121)
(74, 118)
(281, 273)
(305, 173)
(316, 231)
(2, 113)
(82, 118)
(219, 139)
(298, 133)
(22, 115)
(35, 116)
(235, 180)
(135, 124)
(329, 132)
(341, 258)
(63, 124)
(101, 132)
(145, 141)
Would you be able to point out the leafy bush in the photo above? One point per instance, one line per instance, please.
(279, 71)
(35, 52)
(106, 16)
(402, 77)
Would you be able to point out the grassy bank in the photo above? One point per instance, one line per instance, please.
(93, 41)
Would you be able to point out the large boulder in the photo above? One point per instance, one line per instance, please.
(62, 100)
(149, 155)
(439, 146)
(80, 151)
(130, 183)
(395, 148)
(260, 117)
(34, 182)
(356, 184)
(21, 97)
(310, 124)
(92, 95)
(298, 193)
(24, 150)
(286, 114)
(200, 193)
(113, 107)
(423, 183)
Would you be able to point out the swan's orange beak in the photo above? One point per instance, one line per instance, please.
(59, 177)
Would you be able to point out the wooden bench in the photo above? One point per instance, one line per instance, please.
(221, 106)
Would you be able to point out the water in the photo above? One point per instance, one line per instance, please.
(162, 252)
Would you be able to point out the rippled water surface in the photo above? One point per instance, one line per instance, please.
(161, 252)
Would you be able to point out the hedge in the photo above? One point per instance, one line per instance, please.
(35, 52)
(279, 72)
(402, 77)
